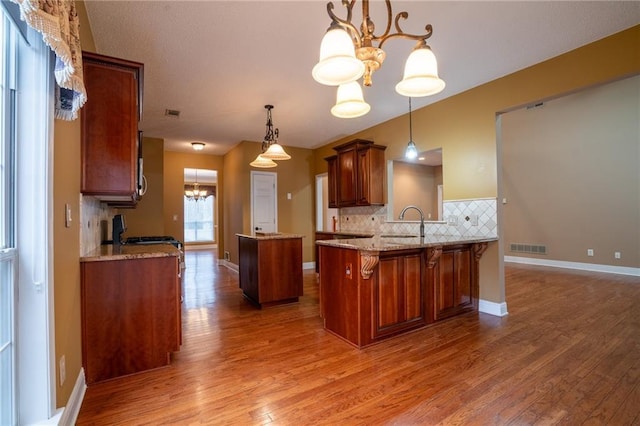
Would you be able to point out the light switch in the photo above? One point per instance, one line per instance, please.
(67, 215)
(288, 195)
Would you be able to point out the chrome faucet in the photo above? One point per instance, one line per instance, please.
(421, 218)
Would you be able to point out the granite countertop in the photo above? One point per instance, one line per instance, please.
(133, 251)
(352, 234)
(390, 242)
(270, 236)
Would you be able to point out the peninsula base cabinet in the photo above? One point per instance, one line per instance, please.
(366, 297)
(131, 319)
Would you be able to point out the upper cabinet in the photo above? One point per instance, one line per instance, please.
(356, 174)
(111, 157)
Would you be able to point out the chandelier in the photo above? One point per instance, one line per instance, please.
(271, 149)
(194, 192)
(346, 54)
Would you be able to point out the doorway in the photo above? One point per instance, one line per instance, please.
(264, 203)
(200, 206)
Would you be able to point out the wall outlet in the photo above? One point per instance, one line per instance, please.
(63, 370)
(589, 252)
(617, 255)
(227, 255)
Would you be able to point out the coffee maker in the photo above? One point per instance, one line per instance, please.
(119, 226)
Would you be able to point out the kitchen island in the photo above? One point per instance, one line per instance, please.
(270, 268)
(374, 288)
(130, 303)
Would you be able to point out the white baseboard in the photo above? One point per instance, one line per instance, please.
(71, 411)
(228, 264)
(623, 270)
(493, 308)
(309, 265)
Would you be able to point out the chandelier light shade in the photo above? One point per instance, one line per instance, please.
(197, 146)
(350, 101)
(262, 162)
(338, 63)
(411, 152)
(420, 74)
(271, 149)
(344, 38)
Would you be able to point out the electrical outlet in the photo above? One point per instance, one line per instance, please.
(67, 216)
(589, 252)
(63, 370)
(227, 255)
(617, 255)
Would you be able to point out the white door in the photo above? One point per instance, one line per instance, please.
(264, 203)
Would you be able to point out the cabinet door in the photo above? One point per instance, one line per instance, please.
(347, 190)
(332, 167)
(454, 287)
(110, 128)
(399, 294)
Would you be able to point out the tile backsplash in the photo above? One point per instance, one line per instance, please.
(95, 224)
(463, 218)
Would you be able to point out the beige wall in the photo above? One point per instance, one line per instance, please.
(173, 187)
(66, 241)
(571, 176)
(147, 218)
(464, 125)
(416, 184)
(294, 176)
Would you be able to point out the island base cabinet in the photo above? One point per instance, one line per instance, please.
(130, 316)
(455, 287)
(399, 294)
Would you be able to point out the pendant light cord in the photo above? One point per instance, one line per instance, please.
(410, 123)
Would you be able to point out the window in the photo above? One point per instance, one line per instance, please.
(198, 220)
(8, 263)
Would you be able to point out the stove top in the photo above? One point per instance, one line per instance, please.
(161, 239)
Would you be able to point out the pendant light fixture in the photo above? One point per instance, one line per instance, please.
(195, 193)
(411, 152)
(271, 149)
(349, 101)
(345, 44)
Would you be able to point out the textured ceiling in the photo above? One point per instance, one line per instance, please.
(220, 62)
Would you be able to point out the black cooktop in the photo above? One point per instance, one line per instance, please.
(159, 239)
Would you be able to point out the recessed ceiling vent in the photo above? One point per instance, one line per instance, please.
(172, 113)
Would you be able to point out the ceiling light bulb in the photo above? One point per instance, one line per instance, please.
(338, 63)
(350, 101)
(420, 74)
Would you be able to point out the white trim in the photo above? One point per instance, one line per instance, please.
(610, 269)
(493, 308)
(69, 415)
(308, 265)
(192, 246)
(228, 264)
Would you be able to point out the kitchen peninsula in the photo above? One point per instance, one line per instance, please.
(375, 288)
(130, 303)
(270, 268)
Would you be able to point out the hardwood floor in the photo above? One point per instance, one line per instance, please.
(567, 353)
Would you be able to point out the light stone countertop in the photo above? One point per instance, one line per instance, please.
(270, 236)
(390, 242)
(131, 251)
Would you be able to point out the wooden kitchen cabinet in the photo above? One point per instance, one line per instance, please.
(131, 315)
(455, 286)
(356, 174)
(399, 293)
(110, 141)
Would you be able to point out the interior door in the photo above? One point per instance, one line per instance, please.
(264, 203)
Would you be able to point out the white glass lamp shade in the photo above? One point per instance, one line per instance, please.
(411, 153)
(275, 152)
(262, 163)
(338, 63)
(420, 74)
(188, 194)
(350, 102)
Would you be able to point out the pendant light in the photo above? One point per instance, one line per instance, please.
(271, 149)
(411, 152)
(420, 73)
(349, 101)
(195, 193)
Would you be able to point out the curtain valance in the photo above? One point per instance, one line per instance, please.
(59, 25)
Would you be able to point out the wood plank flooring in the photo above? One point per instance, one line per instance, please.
(568, 353)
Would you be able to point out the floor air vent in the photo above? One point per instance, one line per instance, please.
(528, 248)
